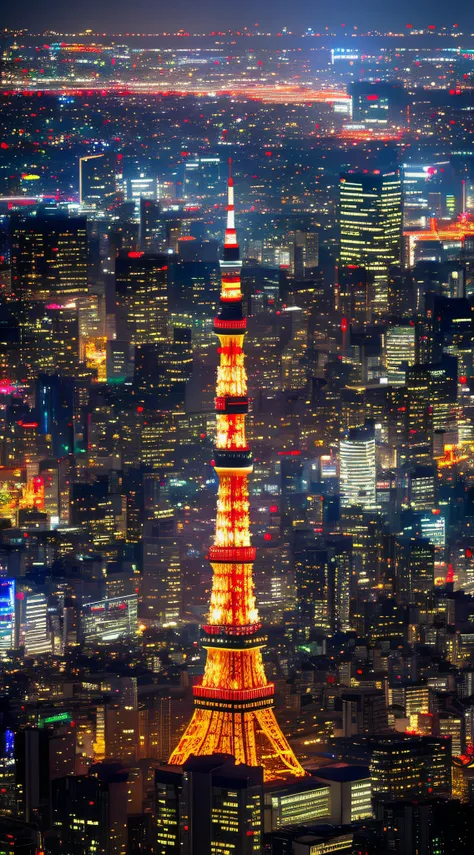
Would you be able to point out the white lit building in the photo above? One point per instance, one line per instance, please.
(357, 473)
(433, 528)
(400, 352)
(296, 804)
(351, 792)
(140, 187)
(35, 633)
(106, 621)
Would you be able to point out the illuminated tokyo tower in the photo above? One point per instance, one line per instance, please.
(234, 702)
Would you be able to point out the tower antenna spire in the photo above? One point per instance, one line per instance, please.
(230, 240)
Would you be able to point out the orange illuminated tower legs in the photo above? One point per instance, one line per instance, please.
(234, 702)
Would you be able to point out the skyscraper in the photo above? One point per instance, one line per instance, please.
(212, 805)
(49, 258)
(400, 352)
(431, 406)
(142, 298)
(34, 630)
(305, 252)
(201, 177)
(381, 103)
(355, 289)
(234, 702)
(7, 615)
(357, 472)
(90, 811)
(152, 226)
(96, 180)
(161, 581)
(370, 220)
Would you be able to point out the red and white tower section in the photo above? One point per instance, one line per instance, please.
(234, 702)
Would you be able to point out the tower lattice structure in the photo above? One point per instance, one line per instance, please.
(233, 704)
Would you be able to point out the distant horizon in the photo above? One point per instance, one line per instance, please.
(245, 31)
(102, 16)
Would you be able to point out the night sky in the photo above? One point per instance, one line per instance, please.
(158, 15)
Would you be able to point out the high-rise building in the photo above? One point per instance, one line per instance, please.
(165, 367)
(34, 629)
(152, 226)
(380, 103)
(401, 292)
(431, 407)
(42, 754)
(411, 767)
(424, 825)
(97, 182)
(422, 488)
(49, 258)
(293, 368)
(297, 803)
(364, 711)
(234, 702)
(306, 253)
(354, 294)
(8, 794)
(61, 340)
(194, 290)
(351, 792)
(90, 811)
(7, 615)
(110, 619)
(414, 568)
(140, 187)
(370, 220)
(211, 804)
(142, 298)
(161, 587)
(201, 177)
(159, 441)
(100, 509)
(357, 468)
(122, 733)
(400, 352)
(314, 587)
(49, 337)
(32, 770)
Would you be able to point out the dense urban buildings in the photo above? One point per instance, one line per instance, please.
(237, 442)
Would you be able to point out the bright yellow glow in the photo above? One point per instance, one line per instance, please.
(230, 431)
(231, 374)
(254, 738)
(231, 669)
(232, 597)
(232, 522)
(231, 288)
(96, 356)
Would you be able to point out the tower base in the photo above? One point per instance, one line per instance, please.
(251, 737)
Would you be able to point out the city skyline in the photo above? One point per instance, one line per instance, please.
(236, 437)
(149, 17)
